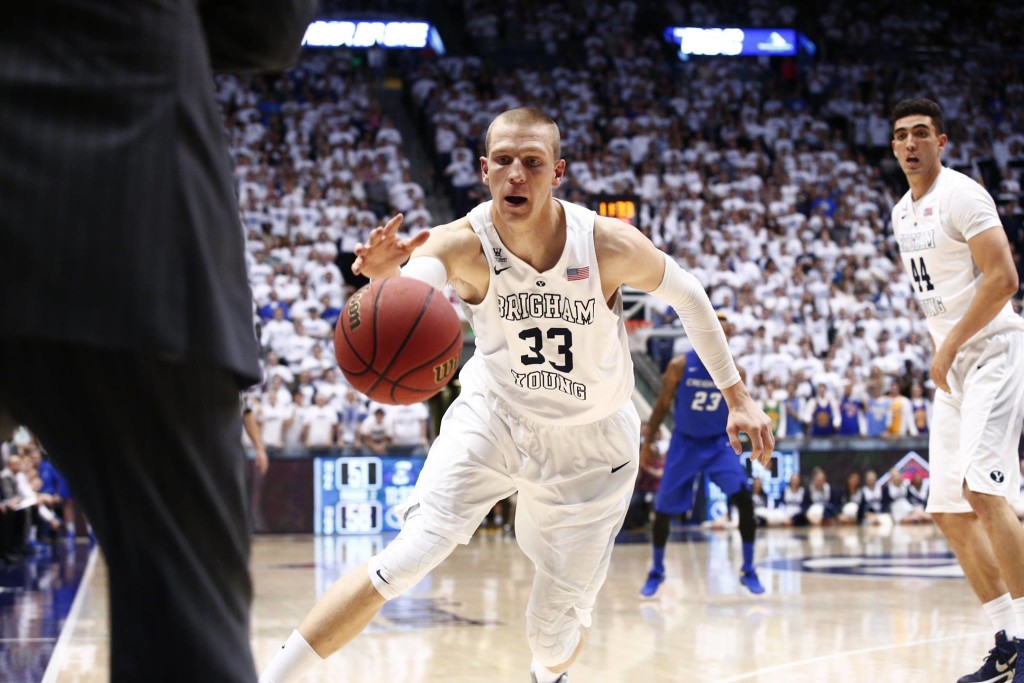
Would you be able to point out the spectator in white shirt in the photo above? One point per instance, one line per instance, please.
(296, 346)
(314, 326)
(375, 434)
(293, 433)
(320, 431)
(284, 397)
(351, 413)
(275, 369)
(330, 386)
(275, 418)
(276, 330)
(409, 428)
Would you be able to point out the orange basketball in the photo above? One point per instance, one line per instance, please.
(398, 341)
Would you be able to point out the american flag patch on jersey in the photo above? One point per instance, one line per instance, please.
(579, 273)
(928, 211)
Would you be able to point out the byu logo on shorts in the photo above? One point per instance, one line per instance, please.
(997, 476)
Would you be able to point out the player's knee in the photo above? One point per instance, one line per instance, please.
(553, 639)
(983, 504)
(407, 559)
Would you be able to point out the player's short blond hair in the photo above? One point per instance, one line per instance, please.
(526, 116)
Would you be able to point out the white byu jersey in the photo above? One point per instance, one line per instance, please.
(932, 234)
(547, 342)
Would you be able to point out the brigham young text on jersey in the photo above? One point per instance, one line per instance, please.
(560, 350)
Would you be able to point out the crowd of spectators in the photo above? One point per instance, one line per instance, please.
(875, 502)
(771, 180)
(36, 507)
(317, 166)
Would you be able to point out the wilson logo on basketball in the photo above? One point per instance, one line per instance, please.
(444, 370)
(353, 310)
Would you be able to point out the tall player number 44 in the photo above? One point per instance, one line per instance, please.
(956, 253)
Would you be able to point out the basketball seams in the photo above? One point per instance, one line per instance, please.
(408, 335)
(453, 345)
(350, 341)
(402, 336)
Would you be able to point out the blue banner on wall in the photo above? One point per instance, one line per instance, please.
(733, 42)
(359, 494)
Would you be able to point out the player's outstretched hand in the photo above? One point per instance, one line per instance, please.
(384, 251)
(747, 417)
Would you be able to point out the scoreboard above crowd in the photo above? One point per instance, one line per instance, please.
(625, 207)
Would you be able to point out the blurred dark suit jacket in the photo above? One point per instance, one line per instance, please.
(119, 226)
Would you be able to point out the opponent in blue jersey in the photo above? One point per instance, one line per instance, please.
(699, 445)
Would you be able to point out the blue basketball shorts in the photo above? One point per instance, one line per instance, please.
(689, 456)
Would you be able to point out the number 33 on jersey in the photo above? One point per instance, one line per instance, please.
(558, 351)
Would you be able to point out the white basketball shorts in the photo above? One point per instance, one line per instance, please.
(574, 485)
(976, 428)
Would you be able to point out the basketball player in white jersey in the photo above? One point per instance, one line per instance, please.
(545, 407)
(955, 250)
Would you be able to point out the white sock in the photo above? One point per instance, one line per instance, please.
(1001, 612)
(543, 674)
(1018, 613)
(293, 660)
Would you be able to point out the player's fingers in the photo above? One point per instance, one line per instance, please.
(756, 443)
(414, 242)
(391, 227)
(734, 439)
(767, 448)
(357, 265)
(419, 239)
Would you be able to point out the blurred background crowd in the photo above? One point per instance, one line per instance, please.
(770, 179)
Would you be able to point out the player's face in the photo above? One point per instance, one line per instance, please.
(916, 145)
(520, 169)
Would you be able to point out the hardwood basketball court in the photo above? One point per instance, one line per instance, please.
(841, 605)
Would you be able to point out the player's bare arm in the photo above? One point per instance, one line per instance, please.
(459, 250)
(627, 257)
(991, 252)
(669, 383)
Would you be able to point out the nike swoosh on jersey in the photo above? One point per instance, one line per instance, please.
(499, 272)
(616, 469)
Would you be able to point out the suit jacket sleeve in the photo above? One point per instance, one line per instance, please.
(255, 35)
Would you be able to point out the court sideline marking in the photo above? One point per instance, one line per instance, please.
(846, 653)
(57, 658)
